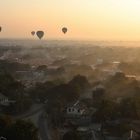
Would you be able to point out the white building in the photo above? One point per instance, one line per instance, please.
(75, 109)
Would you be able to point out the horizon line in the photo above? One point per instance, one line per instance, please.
(69, 39)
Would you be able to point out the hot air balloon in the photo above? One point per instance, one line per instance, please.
(33, 33)
(64, 30)
(40, 34)
(0, 28)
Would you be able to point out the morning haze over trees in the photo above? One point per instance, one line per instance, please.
(81, 88)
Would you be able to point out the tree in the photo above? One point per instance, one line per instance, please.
(18, 130)
(80, 81)
(98, 95)
(128, 108)
(108, 110)
(9, 86)
(41, 90)
(22, 130)
(71, 135)
(5, 122)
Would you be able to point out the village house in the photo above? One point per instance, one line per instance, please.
(75, 109)
(79, 113)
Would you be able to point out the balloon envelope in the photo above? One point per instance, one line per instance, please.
(33, 33)
(40, 34)
(64, 30)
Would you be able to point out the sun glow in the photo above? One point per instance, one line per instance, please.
(96, 19)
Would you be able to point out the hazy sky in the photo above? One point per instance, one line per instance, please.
(87, 19)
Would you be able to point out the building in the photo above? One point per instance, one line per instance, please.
(79, 114)
(75, 109)
(3, 100)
